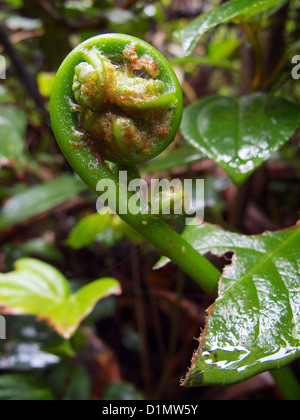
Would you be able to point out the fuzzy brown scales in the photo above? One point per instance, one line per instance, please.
(201, 341)
(145, 62)
(120, 113)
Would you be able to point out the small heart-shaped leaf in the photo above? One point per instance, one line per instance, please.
(239, 134)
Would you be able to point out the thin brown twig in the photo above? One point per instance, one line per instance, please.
(140, 319)
(280, 66)
(58, 17)
(22, 36)
(257, 51)
(173, 338)
(21, 69)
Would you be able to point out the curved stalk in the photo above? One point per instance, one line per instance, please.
(157, 232)
(90, 165)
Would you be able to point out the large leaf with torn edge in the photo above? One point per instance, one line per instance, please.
(239, 134)
(227, 12)
(254, 325)
(36, 288)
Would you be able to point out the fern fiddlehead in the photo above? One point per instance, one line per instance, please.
(117, 99)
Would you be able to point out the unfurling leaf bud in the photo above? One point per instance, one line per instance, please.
(127, 108)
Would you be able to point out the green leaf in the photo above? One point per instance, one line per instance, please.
(123, 391)
(39, 247)
(125, 230)
(45, 82)
(12, 134)
(38, 199)
(14, 3)
(240, 133)
(36, 288)
(224, 44)
(71, 382)
(254, 325)
(24, 387)
(88, 229)
(225, 13)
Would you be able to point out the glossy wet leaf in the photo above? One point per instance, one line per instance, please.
(239, 134)
(36, 288)
(227, 12)
(38, 199)
(12, 134)
(254, 325)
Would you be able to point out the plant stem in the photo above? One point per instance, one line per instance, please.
(21, 69)
(156, 231)
(173, 338)
(168, 242)
(275, 51)
(272, 78)
(239, 206)
(176, 315)
(254, 41)
(173, 246)
(141, 320)
(287, 383)
(93, 171)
